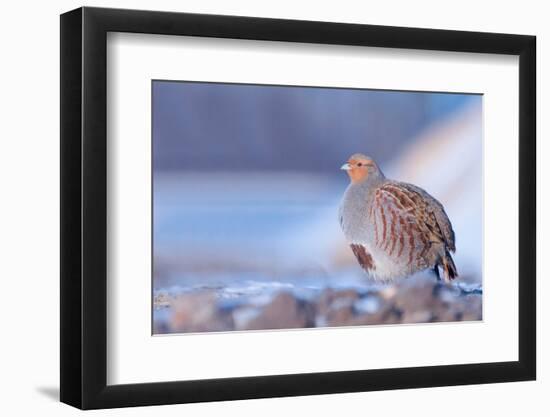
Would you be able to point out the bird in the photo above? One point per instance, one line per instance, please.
(394, 229)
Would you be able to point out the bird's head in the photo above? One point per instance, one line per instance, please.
(361, 167)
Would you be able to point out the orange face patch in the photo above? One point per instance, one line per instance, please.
(358, 170)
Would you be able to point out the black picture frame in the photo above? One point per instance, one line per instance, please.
(84, 207)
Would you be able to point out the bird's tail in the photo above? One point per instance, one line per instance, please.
(449, 267)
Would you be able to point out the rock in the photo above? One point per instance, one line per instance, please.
(415, 296)
(342, 316)
(335, 307)
(387, 314)
(244, 315)
(419, 316)
(473, 309)
(198, 312)
(369, 304)
(284, 312)
(388, 293)
(161, 300)
(331, 299)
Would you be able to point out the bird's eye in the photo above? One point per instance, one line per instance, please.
(359, 164)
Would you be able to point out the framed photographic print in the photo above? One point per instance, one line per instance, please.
(258, 207)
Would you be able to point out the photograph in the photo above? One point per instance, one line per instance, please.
(292, 207)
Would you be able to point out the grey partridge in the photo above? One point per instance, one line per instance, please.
(394, 229)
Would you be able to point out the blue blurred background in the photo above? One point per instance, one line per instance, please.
(246, 179)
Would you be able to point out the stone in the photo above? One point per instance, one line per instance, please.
(198, 312)
(284, 312)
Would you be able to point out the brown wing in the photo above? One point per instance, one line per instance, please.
(407, 221)
(436, 218)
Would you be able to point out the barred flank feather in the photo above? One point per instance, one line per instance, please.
(449, 267)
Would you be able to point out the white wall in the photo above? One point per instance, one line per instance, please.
(29, 211)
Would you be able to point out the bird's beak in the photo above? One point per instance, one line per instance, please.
(345, 167)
